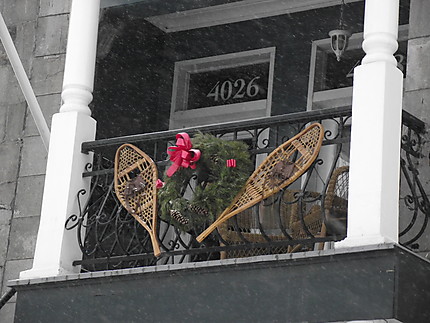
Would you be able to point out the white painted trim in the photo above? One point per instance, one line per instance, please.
(332, 98)
(218, 114)
(24, 83)
(226, 60)
(311, 77)
(270, 83)
(114, 3)
(235, 12)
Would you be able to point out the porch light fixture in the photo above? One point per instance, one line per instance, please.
(339, 37)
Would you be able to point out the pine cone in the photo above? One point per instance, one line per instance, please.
(198, 210)
(175, 214)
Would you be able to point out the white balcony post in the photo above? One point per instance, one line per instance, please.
(56, 248)
(373, 210)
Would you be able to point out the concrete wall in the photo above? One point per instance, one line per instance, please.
(417, 91)
(39, 30)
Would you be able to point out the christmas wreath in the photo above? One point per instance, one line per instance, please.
(206, 173)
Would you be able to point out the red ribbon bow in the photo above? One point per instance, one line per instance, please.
(182, 155)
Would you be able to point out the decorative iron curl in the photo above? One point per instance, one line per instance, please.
(412, 146)
(269, 202)
(74, 220)
(88, 167)
(327, 134)
(319, 162)
(165, 156)
(409, 202)
(412, 143)
(264, 142)
(330, 134)
(174, 244)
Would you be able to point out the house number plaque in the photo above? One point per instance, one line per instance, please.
(228, 86)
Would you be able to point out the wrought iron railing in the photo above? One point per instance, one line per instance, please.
(290, 221)
(414, 201)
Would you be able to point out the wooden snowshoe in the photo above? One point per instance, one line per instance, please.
(281, 168)
(135, 186)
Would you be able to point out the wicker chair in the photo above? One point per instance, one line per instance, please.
(336, 202)
(335, 208)
(244, 227)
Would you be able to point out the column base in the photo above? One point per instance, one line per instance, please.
(46, 272)
(349, 242)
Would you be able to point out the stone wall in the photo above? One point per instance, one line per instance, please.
(417, 91)
(39, 30)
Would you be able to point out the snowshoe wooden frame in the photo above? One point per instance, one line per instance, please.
(302, 150)
(131, 162)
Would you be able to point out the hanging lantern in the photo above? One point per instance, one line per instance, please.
(339, 41)
(339, 37)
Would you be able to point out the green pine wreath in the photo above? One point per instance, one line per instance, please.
(214, 184)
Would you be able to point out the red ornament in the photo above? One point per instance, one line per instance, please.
(182, 155)
(159, 184)
(231, 162)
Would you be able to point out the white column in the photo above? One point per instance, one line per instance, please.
(56, 248)
(373, 211)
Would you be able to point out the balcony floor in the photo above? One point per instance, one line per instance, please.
(374, 282)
